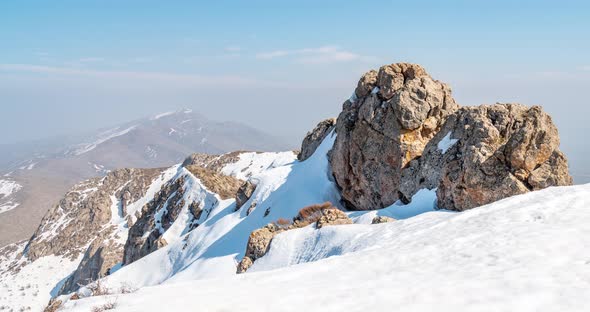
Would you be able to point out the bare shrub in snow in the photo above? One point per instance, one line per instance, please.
(107, 306)
(312, 213)
(98, 289)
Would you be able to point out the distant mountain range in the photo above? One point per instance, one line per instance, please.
(33, 176)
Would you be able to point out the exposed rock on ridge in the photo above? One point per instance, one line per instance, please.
(498, 151)
(394, 114)
(401, 131)
(314, 138)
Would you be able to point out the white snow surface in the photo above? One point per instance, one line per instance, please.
(7, 190)
(525, 253)
(31, 288)
(446, 143)
(7, 187)
(252, 164)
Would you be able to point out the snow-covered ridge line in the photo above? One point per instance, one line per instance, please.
(495, 256)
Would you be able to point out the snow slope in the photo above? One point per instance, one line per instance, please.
(214, 248)
(525, 253)
(7, 190)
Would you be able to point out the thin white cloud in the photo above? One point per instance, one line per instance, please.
(233, 49)
(585, 68)
(90, 59)
(188, 79)
(320, 55)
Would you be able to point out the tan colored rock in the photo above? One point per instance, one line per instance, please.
(314, 138)
(498, 151)
(332, 217)
(366, 84)
(382, 219)
(244, 265)
(381, 132)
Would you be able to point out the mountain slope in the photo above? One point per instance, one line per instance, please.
(157, 141)
(481, 259)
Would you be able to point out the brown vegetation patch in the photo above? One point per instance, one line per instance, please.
(225, 186)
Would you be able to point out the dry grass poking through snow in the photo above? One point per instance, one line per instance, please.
(225, 186)
(312, 213)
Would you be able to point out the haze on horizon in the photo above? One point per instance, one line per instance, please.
(69, 67)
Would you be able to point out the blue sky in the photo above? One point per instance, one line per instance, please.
(70, 66)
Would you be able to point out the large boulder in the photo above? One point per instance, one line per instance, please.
(314, 138)
(487, 153)
(387, 123)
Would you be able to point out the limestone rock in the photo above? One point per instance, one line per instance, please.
(244, 193)
(382, 219)
(383, 130)
(489, 152)
(314, 138)
(332, 216)
(244, 265)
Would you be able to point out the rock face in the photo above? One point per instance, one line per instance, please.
(244, 193)
(81, 223)
(485, 153)
(84, 211)
(314, 138)
(98, 261)
(332, 216)
(402, 131)
(393, 115)
(258, 244)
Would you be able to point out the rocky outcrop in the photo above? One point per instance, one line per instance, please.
(402, 131)
(81, 223)
(258, 244)
(332, 216)
(314, 138)
(395, 112)
(259, 241)
(145, 236)
(244, 193)
(486, 153)
(98, 260)
(85, 210)
(382, 219)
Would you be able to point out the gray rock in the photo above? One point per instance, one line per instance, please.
(383, 130)
(244, 193)
(314, 138)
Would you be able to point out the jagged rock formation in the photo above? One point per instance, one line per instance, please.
(486, 153)
(84, 211)
(393, 136)
(146, 235)
(244, 193)
(314, 138)
(81, 223)
(169, 201)
(388, 122)
(100, 257)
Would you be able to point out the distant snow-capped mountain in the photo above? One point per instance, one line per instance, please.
(30, 183)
